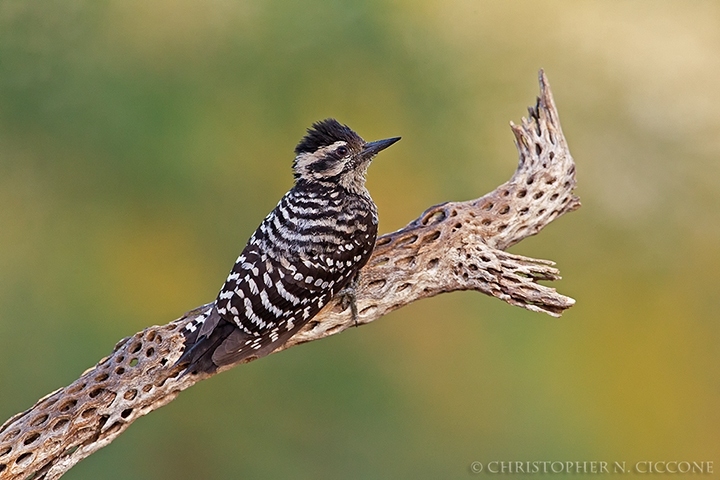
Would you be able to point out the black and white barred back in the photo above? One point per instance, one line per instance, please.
(320, 234)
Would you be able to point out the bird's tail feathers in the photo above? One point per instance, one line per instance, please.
(202, 338)
(213, 342)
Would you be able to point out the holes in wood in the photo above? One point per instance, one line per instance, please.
(367, 310)
(136, 347)
(150, 336)
(23, 459)
(524, 211)
(523, 275)
(488, 206)
(433, 263)
(486, 222)
(334, 329)
(60, 424)
(133, 361)
(501, 227)
(130, 394)
(381, 261)
(552, 154)
(114, 428)
(403, 287)
(505, 209)
(538, 195)
(31, 438)
(39, 420)
(530, 180)
(126, 413)
(88, 412)
(384, 240)
(76, 388)
(538, 149)
(2, 467)
(147, 388)
(433, 218)
(102, 377)
(431, 237)
(67, 405)
(69, 451)
(94, 393)
(410, 239)
(377, 284)
(405, 262)
(554, 197)
(522, 193)
(5, 451)
(120, 370)
(150, 352)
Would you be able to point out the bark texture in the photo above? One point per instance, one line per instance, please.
(452, 246)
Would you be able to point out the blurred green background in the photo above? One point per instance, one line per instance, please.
(141, 142)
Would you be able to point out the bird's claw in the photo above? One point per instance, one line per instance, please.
(348, 298)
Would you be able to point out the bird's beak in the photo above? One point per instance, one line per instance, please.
(372, 148)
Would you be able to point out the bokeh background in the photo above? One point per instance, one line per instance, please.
(142, 142)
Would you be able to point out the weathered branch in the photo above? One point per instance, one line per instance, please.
(453, 246)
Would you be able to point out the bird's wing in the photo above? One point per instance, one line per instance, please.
(270, 301)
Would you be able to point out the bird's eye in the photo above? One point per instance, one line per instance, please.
(342, 151)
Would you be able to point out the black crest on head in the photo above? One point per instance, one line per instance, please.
(324, 133)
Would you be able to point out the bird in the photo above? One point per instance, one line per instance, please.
(309, 248)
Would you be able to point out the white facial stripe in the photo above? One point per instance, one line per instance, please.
(305, 160)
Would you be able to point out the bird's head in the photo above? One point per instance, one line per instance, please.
(333, 152)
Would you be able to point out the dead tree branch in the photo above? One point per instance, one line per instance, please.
(453, 246)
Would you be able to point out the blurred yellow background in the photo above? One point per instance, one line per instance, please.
(141, 142)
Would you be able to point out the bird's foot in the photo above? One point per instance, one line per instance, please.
(348, 298)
